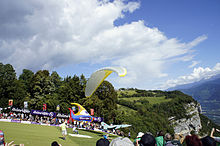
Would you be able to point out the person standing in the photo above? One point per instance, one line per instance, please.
(63, 129)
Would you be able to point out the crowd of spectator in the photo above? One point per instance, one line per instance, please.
(142, 139)
(55, 121)
(161, 139)
(31, 118)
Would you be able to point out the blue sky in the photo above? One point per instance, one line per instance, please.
(162, 43)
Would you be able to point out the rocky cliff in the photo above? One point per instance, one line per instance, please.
(192, 123)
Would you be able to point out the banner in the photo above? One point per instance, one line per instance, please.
(62, 116)
(10, 102)
(16, 121)
(25, 111)
(43, 113)
(97, 119)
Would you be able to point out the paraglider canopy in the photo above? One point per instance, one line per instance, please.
(99, 76)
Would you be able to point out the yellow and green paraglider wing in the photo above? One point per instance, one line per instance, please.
(99, 76)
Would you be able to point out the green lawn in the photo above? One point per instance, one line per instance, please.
(152, 100)
(38, 135)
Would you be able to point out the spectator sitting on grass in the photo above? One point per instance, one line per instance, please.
(75, 130)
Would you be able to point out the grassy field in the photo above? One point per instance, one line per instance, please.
(128, 92)
(38, 135)
(152, 100)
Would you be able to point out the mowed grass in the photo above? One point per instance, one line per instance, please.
(38, 135)
(152, 100)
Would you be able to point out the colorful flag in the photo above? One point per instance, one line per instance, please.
(10, 102)
(58, 107)
(92, 112)
(44, 107)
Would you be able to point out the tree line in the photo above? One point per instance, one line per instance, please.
(48, 88)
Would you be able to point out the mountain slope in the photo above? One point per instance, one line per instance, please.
(154, 110)
(205, 91)
(208, 94)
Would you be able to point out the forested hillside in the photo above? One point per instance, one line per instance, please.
(152, 110)
(144, 110)
(208, 94)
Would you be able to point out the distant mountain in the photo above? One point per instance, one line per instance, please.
(206, 92)
(214, 79)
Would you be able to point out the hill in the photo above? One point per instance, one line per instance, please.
(160, 110)
(208, 94)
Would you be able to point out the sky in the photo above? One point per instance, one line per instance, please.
(161, 43)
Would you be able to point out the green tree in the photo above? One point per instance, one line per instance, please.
(26, 78)
(71, 90)
(18, 93)
(56, 79)
(41, 87)
(107, 94)
(7, 79)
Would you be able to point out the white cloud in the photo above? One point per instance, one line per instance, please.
(197, 41)
(194, 63)
(50, 34)
(197, 75)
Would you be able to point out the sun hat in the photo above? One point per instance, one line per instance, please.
(140, 134)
